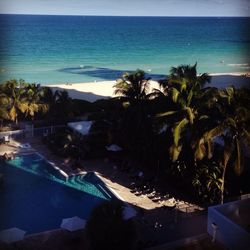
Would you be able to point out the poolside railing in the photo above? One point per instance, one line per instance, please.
(31, 132)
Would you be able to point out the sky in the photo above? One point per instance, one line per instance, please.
(128, 7)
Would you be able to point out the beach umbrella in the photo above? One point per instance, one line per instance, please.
(73, 223)
(114, 148)
(128, 212)
(82, 127)
(12, 235)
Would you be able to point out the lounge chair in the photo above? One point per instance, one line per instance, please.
(25, 146)
(6, 139)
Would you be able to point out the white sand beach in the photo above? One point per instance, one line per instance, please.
(90, 91)
(93, 91)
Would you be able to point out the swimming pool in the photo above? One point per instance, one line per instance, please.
(35, 196)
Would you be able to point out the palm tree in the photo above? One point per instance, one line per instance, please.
(188, 75)
(4, 104)
(34, 95)
(134, 123)
(13, 91)
(133, 86)
(185, 88)
(49, 97)
(233, 127)
(4, 114)
(21, 98)
(62, 103)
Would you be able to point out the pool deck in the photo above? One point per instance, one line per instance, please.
(162, 225)
(118, 181)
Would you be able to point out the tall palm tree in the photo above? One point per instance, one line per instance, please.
(62, 103)
(49, 97)
(185, 89)
(133, 86)
(59, 102)
(233, 127)
(134, 125)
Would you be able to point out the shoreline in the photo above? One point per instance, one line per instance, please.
(92, 91)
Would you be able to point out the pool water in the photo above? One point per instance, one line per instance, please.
(36, 164)
(35, 197)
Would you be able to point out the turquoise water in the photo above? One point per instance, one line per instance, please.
(56, 49)
(35, 200)
(36, 164)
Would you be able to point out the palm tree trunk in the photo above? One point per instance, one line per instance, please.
(222, 189)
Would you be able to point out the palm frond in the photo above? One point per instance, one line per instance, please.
(210, 149)
(228, 149)
(211, 134)
(178, 129)
(13, 113)
(174, 152)
(189, 97)
(191, 115)
(200, 149)
(175, 94)
(4, 114)
(166, 114)
(238, 167)
(155, 93)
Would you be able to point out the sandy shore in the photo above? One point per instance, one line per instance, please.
(90, 91)
(93, 91)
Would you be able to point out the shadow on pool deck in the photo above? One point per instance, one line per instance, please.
(53, 240)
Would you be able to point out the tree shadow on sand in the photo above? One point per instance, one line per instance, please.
(75, 94)
(104, 73)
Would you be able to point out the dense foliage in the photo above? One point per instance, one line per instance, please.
(193, 120)
(197, 136)
(18, 98)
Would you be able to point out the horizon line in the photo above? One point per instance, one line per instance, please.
(89, 15)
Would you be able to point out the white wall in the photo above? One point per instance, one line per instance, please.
(228, 233)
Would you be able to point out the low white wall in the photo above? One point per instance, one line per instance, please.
(228, 233)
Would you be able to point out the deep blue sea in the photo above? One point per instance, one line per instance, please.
(57, 49)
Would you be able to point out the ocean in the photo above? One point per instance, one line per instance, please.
(60, 49)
